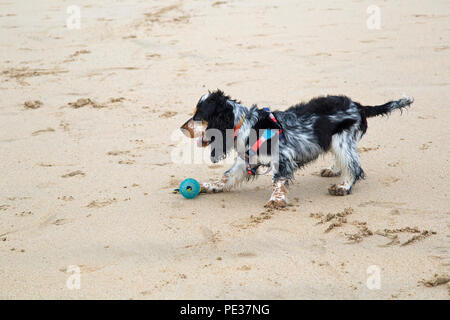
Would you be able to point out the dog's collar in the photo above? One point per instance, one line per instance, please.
(238, 126)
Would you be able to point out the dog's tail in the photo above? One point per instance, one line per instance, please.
(385, 109)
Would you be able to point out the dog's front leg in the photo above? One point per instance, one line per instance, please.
(231, 178)
(278, 199)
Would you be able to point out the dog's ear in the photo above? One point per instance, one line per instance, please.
(221, 137)
(221, 121)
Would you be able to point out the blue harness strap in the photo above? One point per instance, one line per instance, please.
(265, 136)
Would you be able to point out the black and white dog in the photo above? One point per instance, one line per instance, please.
(305, 130)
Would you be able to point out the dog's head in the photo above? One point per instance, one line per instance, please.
(212, 117)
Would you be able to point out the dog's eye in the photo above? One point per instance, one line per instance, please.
(197, 116)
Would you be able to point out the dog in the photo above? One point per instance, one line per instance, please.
(298, 135)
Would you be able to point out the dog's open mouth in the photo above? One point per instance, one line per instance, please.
(193, 129)
(203, 141)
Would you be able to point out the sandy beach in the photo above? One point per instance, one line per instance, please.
(90, 117)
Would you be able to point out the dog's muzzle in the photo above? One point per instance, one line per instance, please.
(196, 129)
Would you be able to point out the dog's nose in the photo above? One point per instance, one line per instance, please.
(188, 128)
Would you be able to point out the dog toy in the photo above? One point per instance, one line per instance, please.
(189, 188)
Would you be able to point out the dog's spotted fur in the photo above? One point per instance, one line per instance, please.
(332, 123)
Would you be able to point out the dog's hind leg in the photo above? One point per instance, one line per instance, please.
(347, 159)
(231, 178)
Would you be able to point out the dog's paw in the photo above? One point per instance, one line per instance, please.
(212, 187)
(276, 204)
(329, 173)
(338, 190)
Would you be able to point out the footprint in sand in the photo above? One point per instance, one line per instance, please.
(151, 56)
(38, 132)
(17, 250)
(209, 235)
(101, 204)
(255, 220)
(437, 280)
(426, 146)
(59, 222)
(388, 181)
(244, 268)
(127, 162)
(340, 219)
(394, 164)
(134, 185)
(73, 174)
(46, 165)
(393, 235)
(36, 104)
(79, 52)
(24, 214)
(117, 153)
(66, 198)
(20, 74)
(116, 100)
(162, 164)
(168, 114)
(76, 54)
(83, 102)
(18, 198)
(367, 149)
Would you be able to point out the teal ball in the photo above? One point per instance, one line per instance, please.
(189, 188)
